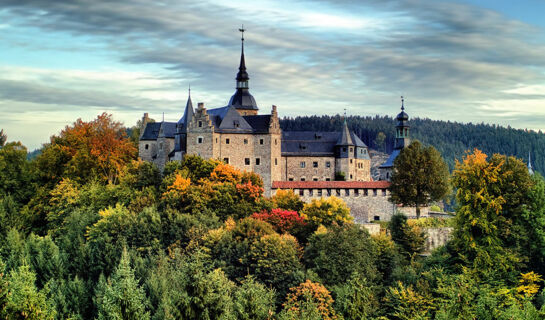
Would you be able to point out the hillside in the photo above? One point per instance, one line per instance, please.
(452, 139)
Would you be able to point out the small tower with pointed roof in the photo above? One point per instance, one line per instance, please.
(402, 140)
(242, 100)
(402, 128)
(182, 127)
(344, 158)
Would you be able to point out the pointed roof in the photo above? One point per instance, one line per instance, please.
(530, 169)
(346, 137)
(234, 121)
(183, 123)
(242, 99)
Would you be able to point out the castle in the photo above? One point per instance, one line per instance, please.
(310, 163)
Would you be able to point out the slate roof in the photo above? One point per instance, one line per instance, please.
(151, 132)
(330, 184)
(227, 118)
(390, 162)
(187, 117)
(312, 143)
(346, 138)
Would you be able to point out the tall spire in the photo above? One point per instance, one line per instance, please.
(242, 76)
(242, 100)
(530, 169)
(183, 123)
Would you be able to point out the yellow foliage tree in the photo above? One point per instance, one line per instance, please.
(327, 211)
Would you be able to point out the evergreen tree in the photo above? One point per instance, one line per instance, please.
(420, 176)
(121, 297)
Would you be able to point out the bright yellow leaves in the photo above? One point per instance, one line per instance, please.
(312, 293)
(326, 211)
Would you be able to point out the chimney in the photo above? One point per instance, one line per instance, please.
(200, 105)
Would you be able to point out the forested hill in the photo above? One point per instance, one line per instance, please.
(452, 139)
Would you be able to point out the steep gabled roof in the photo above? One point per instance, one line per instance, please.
(187, 117)
(233, 121)
(151, 131)
(168, 129)
(259, 123)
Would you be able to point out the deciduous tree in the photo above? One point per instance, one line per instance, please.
(420, 176)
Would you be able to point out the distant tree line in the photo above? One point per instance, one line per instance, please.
(451, 139)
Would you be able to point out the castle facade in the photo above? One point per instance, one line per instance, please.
(301, 160)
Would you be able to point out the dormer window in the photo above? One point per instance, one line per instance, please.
(236, 124)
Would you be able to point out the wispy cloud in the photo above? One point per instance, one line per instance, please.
(453, 61)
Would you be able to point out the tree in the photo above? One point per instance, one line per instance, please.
(490, 224)
(87, 150)
(15, 175)
(380, 141)
(121, 297)
(326, 211)
(342, 250)
(309, 300)
(22, 299)
(410, 240)
(3, 138)
(287, 200)
(420, 176)
(254, 300)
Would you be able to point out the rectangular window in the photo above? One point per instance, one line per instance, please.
(199, 140)
(311, 192)
(351, 150)
(357, 192)
(275, 142)
(314, 179)
(301, 192)
(350, 177)
(275, 161)
(303, 164)
(257, 161)
(351, 161)
(328, 164)
(338, 192)
(376, 218)
(384, 192)
(226, 160)
(147, 146)
(247, 161)
(315, 164)
(344, 149)
(327, 179)
(245, 141)
(347, 192)
(328, 192)
(260, 141)
(319, 192)
(216, 140)
(200, 124)
(365, 192)
(290, 179)
(303, 179)
(227, 141)
(374, 192)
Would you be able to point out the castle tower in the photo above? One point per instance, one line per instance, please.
(182, 129)
(242, 100)
(402, 128)
(402, 140)
(344, 154)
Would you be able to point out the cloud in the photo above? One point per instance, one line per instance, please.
(451, 60)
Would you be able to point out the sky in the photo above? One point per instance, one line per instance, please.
(466, 60)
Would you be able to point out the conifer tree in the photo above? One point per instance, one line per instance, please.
(120, 297)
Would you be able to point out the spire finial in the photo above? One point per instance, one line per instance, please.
(402, 103)
(344, 114)
(242, 38)
(189, 90)
(163, 117)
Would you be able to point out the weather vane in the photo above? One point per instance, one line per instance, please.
(242, 31)
(402, 103)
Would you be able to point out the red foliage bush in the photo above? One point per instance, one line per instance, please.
(283, 221)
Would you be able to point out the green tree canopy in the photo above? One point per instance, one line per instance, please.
(420, 176)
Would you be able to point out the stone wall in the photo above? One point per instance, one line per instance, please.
(293, 170)
(147, 149)
(436, 237)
